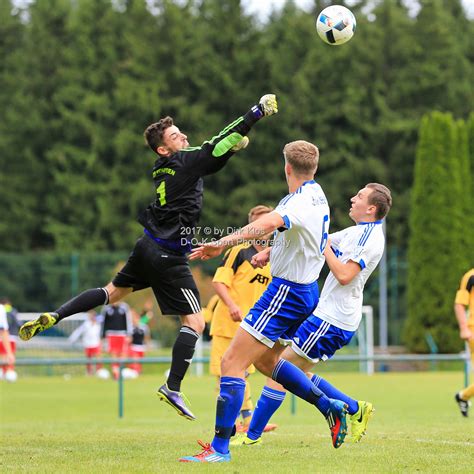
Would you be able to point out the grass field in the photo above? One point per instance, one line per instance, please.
(53, 425)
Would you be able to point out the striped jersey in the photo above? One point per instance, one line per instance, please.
(297, 251)
(341, 305)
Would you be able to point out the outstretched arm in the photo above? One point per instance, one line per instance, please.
(213, 154)
(254, 231)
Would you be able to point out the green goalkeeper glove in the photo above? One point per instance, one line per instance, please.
(268, 104)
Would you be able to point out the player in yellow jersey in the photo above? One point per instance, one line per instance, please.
(239, 285)
(464, 310)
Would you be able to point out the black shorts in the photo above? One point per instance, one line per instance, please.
(166, 272)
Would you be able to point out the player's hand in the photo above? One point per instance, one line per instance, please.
(268, 104)
(260, 259)
(466, 334)
(235, 313)
(206, 251)
(328, 247)
(241, 145)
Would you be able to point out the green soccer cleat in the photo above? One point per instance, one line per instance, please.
(241, 439)
(360, 419)
(40, 324)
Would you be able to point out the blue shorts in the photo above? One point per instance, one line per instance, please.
(317, 340)
(280, 310)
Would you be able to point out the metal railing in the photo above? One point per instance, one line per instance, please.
(201, 360)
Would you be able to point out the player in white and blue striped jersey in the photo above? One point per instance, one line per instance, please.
(302, 220)
(352, 256)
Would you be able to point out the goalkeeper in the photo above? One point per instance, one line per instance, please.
(158, 259)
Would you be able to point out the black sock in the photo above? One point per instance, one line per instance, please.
(183, 351)
(87, 300)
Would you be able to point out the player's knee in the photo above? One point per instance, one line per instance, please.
(116, 293)
(266, 365)
(231, 363)
(195, 322)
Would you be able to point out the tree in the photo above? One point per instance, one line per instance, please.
(437, 245)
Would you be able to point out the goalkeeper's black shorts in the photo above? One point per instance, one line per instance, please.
(166, 272)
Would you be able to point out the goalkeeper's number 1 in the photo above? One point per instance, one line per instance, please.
(161, 191)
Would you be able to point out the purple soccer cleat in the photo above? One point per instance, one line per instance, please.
(176, 400)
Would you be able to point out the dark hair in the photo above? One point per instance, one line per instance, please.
(154, 132)
(302, 156)
(381, 198)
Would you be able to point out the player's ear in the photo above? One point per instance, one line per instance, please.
(162, 150)
(372, 210)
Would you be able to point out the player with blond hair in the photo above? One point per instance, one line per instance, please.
(239, 284)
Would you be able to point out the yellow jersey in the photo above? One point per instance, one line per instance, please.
(245, 283)
(208, 310)
(465, 294)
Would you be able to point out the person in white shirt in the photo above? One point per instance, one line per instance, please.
(12, 324)
(352, 256)
(300, 223)
(5, 337)
(89, 331)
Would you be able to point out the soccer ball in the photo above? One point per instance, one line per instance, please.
(336, 25)
(129, 373)
(11, 376)
(103, 374)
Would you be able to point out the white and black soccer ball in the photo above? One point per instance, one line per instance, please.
(336, 25)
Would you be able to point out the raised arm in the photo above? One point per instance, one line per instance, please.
(213, 154)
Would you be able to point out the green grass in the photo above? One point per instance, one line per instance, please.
(53, 425)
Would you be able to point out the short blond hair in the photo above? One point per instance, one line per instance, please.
(302, 156)
(257, 211)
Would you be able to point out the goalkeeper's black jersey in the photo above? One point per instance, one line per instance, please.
(179, 184)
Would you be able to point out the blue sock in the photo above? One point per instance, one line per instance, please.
(296, 381)
(229, 403)
(268, 403)
(332, 392)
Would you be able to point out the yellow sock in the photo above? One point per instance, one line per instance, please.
(247, 403)
(467, 393)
